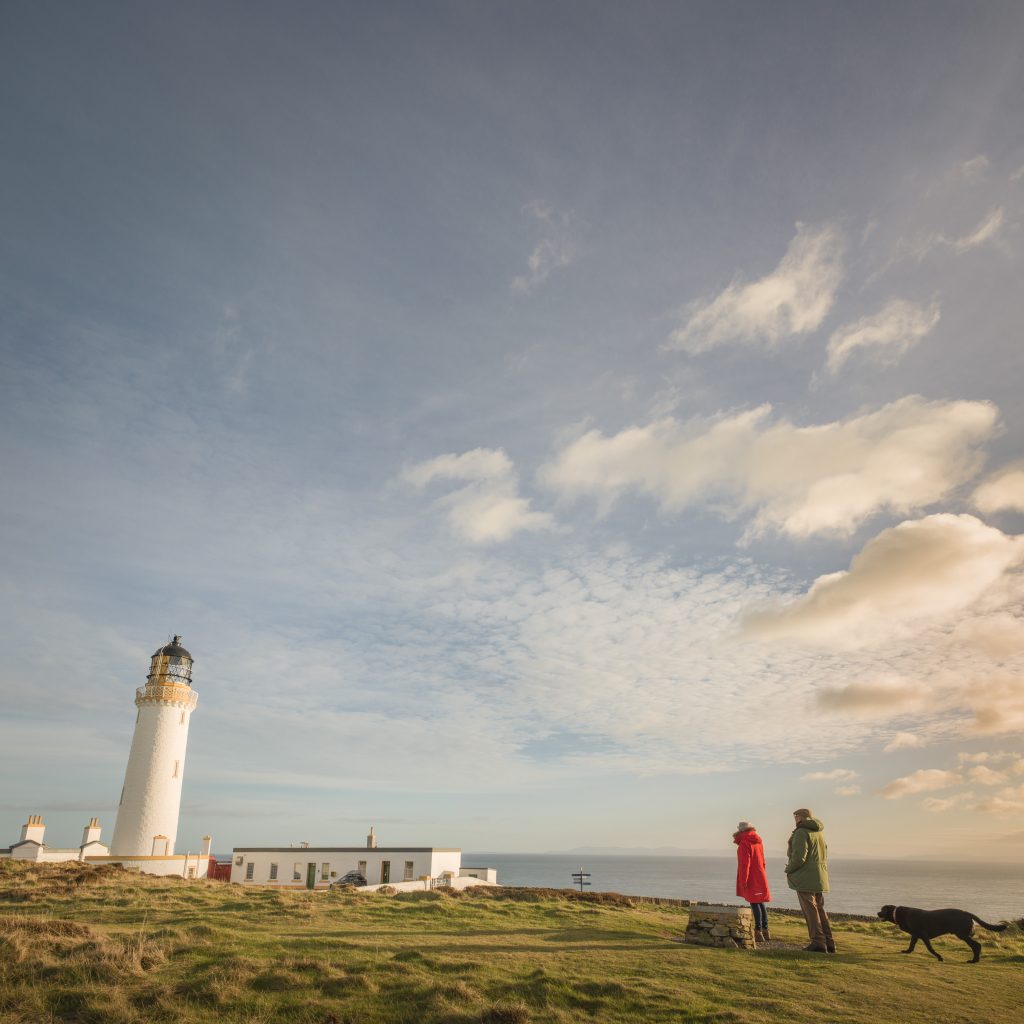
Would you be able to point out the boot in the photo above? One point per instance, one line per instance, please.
(830, 946)
(812, 948)
(766, 934)
(759, 936)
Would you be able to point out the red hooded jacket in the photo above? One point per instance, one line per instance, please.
(751, 874)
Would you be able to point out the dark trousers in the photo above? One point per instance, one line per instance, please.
(760, 916)
(818, 928)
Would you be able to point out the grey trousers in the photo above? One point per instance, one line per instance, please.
(818, 927)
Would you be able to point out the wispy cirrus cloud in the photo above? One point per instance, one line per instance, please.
(488, 507)
(799, 481)
(905, 578)
(554, 250)
(884, 336)
(793, 299)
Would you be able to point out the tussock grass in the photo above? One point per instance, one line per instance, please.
(108, 946)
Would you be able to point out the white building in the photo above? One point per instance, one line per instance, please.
(316, 867)
(147, 816)
(146, 829)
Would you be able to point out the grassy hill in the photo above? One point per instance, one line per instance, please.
(106, 946)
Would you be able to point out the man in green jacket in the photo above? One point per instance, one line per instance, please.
(807, 872)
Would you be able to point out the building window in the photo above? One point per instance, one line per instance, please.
(408, 871)
(191, 872)
(362, 868)
(177, 770)
(249, 868)
(297, 871)
(273, 872)
(325, 871)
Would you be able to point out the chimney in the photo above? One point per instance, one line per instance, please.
(371, 840)
(33, 829)
(91, 832)
(207, 843)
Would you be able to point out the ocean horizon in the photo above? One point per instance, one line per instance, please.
(859, 885)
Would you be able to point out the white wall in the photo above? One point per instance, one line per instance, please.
(184, 866)
(340, 860)
(152, 788)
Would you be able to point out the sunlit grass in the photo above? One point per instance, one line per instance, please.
(94, 946)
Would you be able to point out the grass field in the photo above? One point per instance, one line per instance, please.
(103, 945)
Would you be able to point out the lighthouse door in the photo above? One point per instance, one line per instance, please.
(311, 876)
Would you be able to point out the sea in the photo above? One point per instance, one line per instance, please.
(993, 891)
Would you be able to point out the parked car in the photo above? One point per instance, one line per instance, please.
(349, 878)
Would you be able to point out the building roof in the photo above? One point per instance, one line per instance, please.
(173, 650)
(346, 849)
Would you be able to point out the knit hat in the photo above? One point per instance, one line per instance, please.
(804, 812)
(745, 826)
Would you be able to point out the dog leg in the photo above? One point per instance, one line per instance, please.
(975, 946)
(928, 946)
(910, 948)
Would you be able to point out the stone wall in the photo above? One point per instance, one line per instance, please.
(716, 925)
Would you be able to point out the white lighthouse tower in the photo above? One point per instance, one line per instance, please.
(147, 816)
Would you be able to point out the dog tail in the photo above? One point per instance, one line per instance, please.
(991, 927)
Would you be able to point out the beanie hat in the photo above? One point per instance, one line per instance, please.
(804, 812)
(744, 826)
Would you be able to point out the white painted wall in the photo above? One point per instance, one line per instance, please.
(339, 861)
(183, 865)
(151, 798)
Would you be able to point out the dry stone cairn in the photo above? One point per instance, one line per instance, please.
(715, 925)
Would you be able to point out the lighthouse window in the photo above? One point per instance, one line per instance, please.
(121, 801)
(182, 722)
(177, 769)
(273, 872)
(249, 868)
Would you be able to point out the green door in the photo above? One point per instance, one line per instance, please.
(385, 871)
(311, 876)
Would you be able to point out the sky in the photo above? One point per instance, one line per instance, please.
(547, 424)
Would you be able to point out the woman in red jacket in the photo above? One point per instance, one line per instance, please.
(752, 876)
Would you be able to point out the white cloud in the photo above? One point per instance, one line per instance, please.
(937, 804)
(885, 335)
(835, 775)
(974, 170)
(997, 701)
(985, 776)
(554, 250)
(983, 233)
(885, 697)
(998, 634)
(793, 299)
(924, 780)
(488, 508)
(800, 480)
(1002, 491)
(903, 741)
(987, 231)
(904, 579)
(1006, 801)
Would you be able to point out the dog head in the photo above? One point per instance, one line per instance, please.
(888, 913)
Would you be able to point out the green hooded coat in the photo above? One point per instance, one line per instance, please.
(807, 863)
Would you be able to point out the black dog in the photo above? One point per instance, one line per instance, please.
(930, 924)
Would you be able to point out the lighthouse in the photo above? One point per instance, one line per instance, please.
(147, 815)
